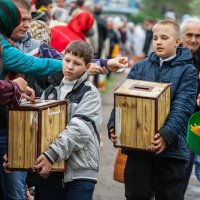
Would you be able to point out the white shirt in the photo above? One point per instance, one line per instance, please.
(166, 59)
(66, 87)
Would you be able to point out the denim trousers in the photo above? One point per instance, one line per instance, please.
(53, 189)
(197, 166)
(13, 184)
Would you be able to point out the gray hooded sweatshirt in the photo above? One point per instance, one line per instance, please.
(78, 144)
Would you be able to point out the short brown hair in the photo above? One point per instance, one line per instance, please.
(170, 23)
(81, 49)
(25, 4)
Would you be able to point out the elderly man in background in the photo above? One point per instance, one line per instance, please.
(190, 29)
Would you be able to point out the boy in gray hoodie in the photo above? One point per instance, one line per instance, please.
(78, 144)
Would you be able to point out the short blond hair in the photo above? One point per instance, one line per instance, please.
(169, 23)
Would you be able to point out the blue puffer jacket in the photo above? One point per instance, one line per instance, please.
(180, 72)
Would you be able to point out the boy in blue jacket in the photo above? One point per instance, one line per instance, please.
(161, 170)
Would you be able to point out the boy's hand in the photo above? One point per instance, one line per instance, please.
(115, 63)
(198, 100)
(112, 135)
(6, 163)
(158, 145)
(42, 165)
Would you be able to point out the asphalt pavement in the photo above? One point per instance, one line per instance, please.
(106, 187)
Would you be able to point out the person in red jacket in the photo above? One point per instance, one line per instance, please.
(76, 29)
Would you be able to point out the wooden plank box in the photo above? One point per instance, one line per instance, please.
(141, 108)
(31, 129)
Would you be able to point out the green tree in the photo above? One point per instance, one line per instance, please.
(158, 8)
(195, 7)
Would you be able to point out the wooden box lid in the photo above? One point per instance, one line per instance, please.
(141, 88)
(38, 105)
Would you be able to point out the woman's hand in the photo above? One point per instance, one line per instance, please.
(25, 90)
(22, 84)
(29, 94)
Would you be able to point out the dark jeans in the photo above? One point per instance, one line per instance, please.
(145, 176)
(52, 188)
(13, 184)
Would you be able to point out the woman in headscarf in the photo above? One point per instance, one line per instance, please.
(10, 91)
(76, 29)
(13, 59)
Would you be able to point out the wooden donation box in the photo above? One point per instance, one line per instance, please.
(31, 129)
(141, 108)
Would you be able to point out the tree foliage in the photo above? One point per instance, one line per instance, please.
(157, 9)
(195, 7)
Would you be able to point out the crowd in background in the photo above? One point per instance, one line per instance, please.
(110, 36)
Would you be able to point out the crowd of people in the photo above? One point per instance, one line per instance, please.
(66, 50)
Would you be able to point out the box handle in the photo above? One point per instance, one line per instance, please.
(141, 87)
(54, 113)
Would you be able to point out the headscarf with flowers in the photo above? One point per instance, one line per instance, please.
(39, 30)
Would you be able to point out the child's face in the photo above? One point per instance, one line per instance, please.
(73, 67)
(164, 41)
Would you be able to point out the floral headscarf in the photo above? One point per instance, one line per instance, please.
(40, 30)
